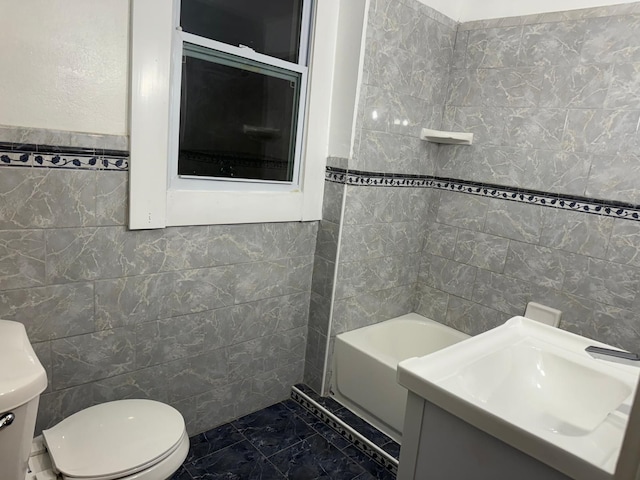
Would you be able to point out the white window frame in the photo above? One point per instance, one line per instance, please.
(154, 202)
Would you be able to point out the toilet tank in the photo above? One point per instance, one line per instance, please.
(22, 380)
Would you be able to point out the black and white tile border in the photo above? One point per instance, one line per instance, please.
(592, 206)
(47, 156)
(363, 444)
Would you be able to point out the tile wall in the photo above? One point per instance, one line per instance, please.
(554, 106)
(212, 319)
(553, 103)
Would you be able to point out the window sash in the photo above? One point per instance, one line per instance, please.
(178, 182)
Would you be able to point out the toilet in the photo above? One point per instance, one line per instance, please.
(120, 440)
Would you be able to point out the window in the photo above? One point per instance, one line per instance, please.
(220, 98)
(239, 94)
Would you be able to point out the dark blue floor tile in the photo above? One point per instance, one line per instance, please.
(240, 461)
(181, 474)
(327, 402)
(363, 428)
(392, 448)
(212, 441)
(317, 424)
(315, 458)
(273, 429)
(375, 469)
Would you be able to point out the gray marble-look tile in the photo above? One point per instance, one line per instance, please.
(472, 318)
(493, 48)
(319, 312)
(85, 358)
(388, 66)
(147, 383)
(617, 327)
(264, 354)
(539, 265)
(491, 164)
(624, 245)
(191, 376)
(50, 312)
(383, 152)
(461, 210)
(355, 312)
(535, 128)
(605, 282)
(240, 323)
(486, 123)
(467, 87)
(46, 198)
(22, 259)
(102, 252)
(614, 178)
(576, 232)
(447, 275)
(112, 193)
(365, 205)
(332, 201)
(323, 275)
(624, 91)
(56, 406)
(513, 220)
(459, 59)
(481, 250)
(552, 43)
(513, 87)
(612, 40)
(168, 339)
(133, 300)
(579, 86)
(500, 292)
(369, 275)
(327, 241)
(215, 407)
(396, 301)
(431, 303)
(441, 240)
(558, 172)
(604, 132)
(379, 239)
(274, 386)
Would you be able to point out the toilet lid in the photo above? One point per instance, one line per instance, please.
(114, 439)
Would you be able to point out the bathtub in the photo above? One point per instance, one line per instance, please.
(365, 362)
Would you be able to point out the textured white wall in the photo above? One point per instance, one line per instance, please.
(64, 64)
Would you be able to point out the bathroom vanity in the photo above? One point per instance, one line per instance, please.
(523, 400)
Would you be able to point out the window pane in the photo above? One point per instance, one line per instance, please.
(237, 117)
(271, 27)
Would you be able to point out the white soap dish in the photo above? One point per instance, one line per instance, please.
(543, 314)
(450, 138)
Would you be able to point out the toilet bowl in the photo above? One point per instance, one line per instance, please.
(120, 440)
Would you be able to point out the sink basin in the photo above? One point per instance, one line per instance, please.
(534, 387)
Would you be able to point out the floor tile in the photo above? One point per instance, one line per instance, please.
(364, 428)
(315, 458)
(376, 470)
(181, 474)
(212, 441)
(240, 461)
(273, 429)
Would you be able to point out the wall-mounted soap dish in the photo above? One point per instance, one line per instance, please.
(450, 138)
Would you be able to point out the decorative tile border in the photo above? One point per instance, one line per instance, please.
(592, 206)
(49, 156)
(362, 443)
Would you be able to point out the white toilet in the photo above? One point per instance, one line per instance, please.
(121, 440)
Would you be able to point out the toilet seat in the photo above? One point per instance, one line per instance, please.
(115, 440)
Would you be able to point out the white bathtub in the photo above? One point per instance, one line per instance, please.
(365, 362)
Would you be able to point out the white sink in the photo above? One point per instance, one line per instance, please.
(534, 387)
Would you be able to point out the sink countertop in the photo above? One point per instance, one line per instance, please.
(535, 388)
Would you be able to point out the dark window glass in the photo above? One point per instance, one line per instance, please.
(237, 117)
(271, 27)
